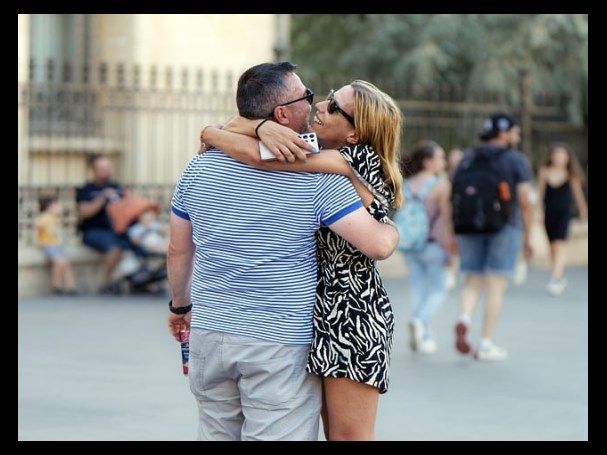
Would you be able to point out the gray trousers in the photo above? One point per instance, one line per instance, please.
(249, 389)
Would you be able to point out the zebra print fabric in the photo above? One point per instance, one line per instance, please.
(353, 319)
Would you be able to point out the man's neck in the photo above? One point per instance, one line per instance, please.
(497, 143)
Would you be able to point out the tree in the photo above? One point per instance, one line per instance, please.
(484, 51)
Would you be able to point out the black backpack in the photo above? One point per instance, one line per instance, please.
(480, 195)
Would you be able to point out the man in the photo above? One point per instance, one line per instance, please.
(488, 259)
(95, 225)
(253, 289)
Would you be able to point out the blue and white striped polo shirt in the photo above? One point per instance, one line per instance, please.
(254, 231)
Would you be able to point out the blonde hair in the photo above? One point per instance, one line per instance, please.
(378, 123)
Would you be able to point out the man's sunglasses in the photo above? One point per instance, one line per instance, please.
(308, 96)
(334, 106)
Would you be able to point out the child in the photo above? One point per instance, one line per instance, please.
(48, 239)
(559, 181)
(146, 233)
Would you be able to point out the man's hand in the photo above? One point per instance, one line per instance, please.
(178, 323)
(111, 194)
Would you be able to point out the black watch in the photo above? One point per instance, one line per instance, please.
(179, 310)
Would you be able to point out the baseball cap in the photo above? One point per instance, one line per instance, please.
(496, 123)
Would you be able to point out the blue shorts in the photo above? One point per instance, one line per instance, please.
(53, 252)
(497, 253)
(104, 240)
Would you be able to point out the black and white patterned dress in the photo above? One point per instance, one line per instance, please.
(353, 319)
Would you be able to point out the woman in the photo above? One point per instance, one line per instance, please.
(424, 169)
(559, 181)
(353, 319)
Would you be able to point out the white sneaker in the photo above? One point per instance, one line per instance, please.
(556, 287)
(427, 346)
(416, 334)
(519, 277)
(491, 353)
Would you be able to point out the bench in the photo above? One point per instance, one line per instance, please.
(34, 274)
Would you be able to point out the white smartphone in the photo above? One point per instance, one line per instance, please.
(310, 138)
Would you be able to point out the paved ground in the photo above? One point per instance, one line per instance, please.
(94, 368)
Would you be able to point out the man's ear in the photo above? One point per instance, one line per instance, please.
(280, 115)
(352, 137)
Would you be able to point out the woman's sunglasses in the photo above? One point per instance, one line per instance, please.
(334, 106)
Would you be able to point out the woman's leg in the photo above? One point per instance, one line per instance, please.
(416, 272)
(557, 256)
(435, 259)
(323, 413)
(351, 409)
(417, 282)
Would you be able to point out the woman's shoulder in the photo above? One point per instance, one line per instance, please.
(364, 160)
(360, 153)
(440, 185)
(443, 182)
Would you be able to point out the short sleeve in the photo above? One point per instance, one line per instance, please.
(335, 198)
(522, 168)
(178, 204)
(378, 211)
(82, 195)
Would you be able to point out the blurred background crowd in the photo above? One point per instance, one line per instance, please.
(137, 88)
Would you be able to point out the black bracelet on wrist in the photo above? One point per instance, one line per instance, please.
(259, 126)
(179, 310)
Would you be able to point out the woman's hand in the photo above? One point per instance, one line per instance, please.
(283, 142)
(205, 146)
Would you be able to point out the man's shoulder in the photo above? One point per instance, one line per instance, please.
(85, 190)
(517, 157)
(500, 153)
(214, 157)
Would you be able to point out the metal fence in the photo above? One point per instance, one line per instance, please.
(149, 119)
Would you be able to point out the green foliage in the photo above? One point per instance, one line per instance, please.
(475, 51)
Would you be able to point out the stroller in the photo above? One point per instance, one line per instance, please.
(143, 270)
(149, 277)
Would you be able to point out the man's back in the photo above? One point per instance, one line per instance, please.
(255, 270)
(515, 170)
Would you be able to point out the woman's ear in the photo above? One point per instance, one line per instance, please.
(352, 137)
